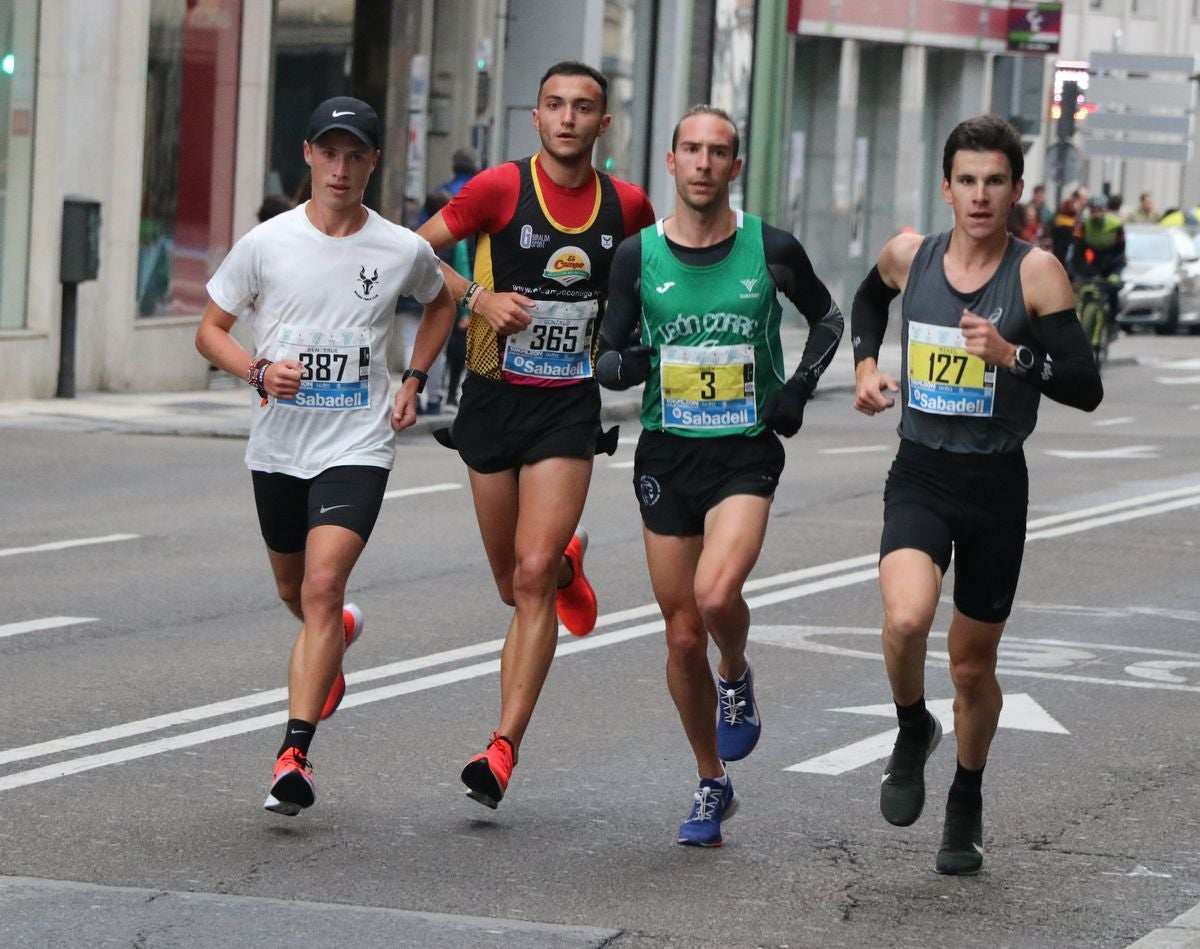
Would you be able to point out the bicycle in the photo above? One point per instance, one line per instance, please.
(1096, 316)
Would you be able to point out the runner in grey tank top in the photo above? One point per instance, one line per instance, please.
(988, 327)
(961, 404)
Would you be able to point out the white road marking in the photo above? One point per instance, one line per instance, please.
(1019, 712)
(50, 622)
(620, 464)
(66, 544)
(1017, 657)
(1123, 420)
(1127, 452)
(427, 489)
(1092, 517)
(1177, 380)
(856, 450)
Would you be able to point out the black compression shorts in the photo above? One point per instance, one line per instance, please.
(501, 426)
(974, 505)
(678, 480)
(348, 496)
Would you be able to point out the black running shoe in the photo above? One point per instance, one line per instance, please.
(961, 853)
(902, 794)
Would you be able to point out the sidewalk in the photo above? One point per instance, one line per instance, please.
(224, 411)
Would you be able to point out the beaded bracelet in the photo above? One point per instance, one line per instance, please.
(257, 375)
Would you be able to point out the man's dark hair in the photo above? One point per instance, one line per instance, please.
(985, 133)
(572, 67)
(707, 110)
(465, 161)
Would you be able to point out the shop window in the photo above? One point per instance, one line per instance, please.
(627, 62)
(186, 223)
(18, 43)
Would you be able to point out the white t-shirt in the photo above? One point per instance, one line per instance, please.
(330, 303)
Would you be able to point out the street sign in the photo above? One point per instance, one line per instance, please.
(1142, 93)
(1144, 104)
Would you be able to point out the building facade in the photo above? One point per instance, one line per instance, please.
(179, 116)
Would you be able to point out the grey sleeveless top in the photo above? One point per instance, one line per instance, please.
(950, 399)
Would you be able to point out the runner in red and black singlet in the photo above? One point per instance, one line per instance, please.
(529, 416)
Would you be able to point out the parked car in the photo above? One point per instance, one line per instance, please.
(1162, 279)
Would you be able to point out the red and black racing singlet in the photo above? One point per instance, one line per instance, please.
(565, 269)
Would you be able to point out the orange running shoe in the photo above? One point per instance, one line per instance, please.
(352, 622)
(576, 602)
(292, 787)
(486, 775)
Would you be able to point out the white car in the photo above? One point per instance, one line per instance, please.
(1162, 279)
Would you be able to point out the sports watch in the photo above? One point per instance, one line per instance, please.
(1023, 358)
(421, 377)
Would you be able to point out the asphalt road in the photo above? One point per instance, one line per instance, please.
(141, 703)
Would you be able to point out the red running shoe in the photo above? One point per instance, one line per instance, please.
(486, 775)
(576, 602)
(352, 622)
(292, 787)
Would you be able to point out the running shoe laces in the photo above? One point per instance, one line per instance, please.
(576, 602)
(487, 775)
(292, 787)
(738, 724)
(902, 791)
(352, 624)
(712, 803)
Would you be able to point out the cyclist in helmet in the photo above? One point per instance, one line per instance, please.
(1099, 249)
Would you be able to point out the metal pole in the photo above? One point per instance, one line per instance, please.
(66, 343)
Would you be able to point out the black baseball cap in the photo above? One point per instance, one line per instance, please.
(346, 113)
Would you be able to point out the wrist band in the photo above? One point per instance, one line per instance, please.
(257, 374)
(465, 299)
(475, 297)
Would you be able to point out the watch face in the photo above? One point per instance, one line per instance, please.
(1024, 358)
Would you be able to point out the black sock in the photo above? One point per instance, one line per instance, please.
(911, 716)
(967, 786)
(299, 734)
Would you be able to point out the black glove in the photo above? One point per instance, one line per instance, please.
(624, 368)
(783, 412)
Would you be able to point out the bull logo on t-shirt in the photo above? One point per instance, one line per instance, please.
(568, 265)
(368, 284)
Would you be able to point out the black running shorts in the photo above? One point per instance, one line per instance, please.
(501, 426)
(678, 480)
(289, 507)
(974, 505)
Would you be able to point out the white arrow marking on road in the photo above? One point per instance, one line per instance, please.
(1129, 451)
(1140, 871)
(50, 622)
(1019, 712)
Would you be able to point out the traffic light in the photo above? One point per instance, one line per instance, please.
(1066, 115)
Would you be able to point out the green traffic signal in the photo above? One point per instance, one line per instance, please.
(8, 64)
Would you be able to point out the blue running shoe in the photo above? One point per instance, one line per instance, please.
(714, 802)
(738, 726)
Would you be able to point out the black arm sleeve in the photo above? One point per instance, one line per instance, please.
(793, 274)
(1066, 370)
(869, 315)
(623, 310)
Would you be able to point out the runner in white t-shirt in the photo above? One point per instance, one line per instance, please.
(317, 288)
